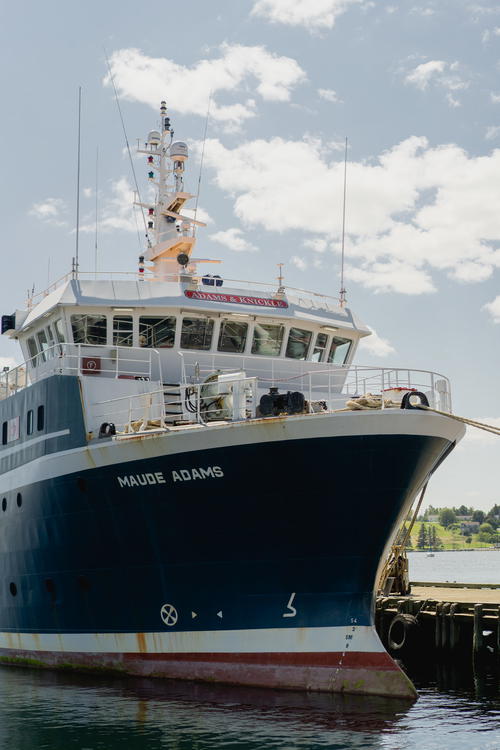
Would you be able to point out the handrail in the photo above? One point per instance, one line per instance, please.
(66, 358)
(174, 277)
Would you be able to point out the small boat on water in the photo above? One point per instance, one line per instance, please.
(184, 492)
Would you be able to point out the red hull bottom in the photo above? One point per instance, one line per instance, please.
(354, 673)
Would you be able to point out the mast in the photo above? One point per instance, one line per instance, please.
(170, 233)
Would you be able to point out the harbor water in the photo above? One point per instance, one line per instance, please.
(45, 710)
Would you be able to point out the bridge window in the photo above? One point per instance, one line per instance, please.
(232, 336)
(89, 329)
(50, 338)
(298, 343)
(43, 345)
(339, 350)
(196, 333)
(33, 351)
(319, 347)
(59, 329)
(157, 332)
(123, 326)
(267, 339)
(29, 422)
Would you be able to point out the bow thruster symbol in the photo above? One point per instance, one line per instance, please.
(169, 614)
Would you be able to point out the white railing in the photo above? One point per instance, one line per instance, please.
(138, 412)
(94, 360)
(333, 384)
(327, 301)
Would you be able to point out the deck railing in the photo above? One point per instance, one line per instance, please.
(332, 384)
(121, 362)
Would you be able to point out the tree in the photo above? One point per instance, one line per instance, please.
(478, 516)
(422, 537)
(434, 540)
(462, 511)
(487, 533)
(447, 517)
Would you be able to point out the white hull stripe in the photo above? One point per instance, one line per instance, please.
(108, 453)
(268, 640)
(32, 441)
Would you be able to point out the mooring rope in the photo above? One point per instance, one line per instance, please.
(370, 401)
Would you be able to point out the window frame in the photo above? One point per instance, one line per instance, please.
(308, 347)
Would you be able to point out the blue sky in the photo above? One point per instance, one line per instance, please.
(415, 86)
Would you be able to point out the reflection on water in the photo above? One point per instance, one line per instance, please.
(51, 711)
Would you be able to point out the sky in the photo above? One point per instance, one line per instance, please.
(415, 88)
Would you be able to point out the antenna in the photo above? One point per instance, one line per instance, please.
(78, 182)
(281, 278)
(96, 207)
(201, 161)
(126, 141)
(342, 293)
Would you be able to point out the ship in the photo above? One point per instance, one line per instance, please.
(197, 483)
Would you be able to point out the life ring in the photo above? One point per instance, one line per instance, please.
(406, 402)
(400, 630)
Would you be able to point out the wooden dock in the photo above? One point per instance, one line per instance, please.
(455, 620)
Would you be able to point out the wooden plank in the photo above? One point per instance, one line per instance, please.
(443, 593)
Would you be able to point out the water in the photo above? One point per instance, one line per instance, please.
(472, 566)
(64, 711)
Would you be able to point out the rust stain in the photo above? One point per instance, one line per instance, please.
(141, 643)
(36, 642)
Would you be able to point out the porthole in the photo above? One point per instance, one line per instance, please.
(4, 504)
(19, 499)
(13, 589)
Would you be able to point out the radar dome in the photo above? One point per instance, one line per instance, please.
(154, 138)
(179, 151)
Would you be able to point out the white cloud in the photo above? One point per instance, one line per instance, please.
(423, 73)
(51, 211)
(495, 98)
(413, 212)
(299, 262)
(88, 192)
(117, 211)
(420, 11)
(329, 95)
(488, 33)
(441, 74)
(317, 244)
(493, 308)
(492, 132)
(314, 15)
(233, 239)
(150, 79)
(375, 345)
(201, 214)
